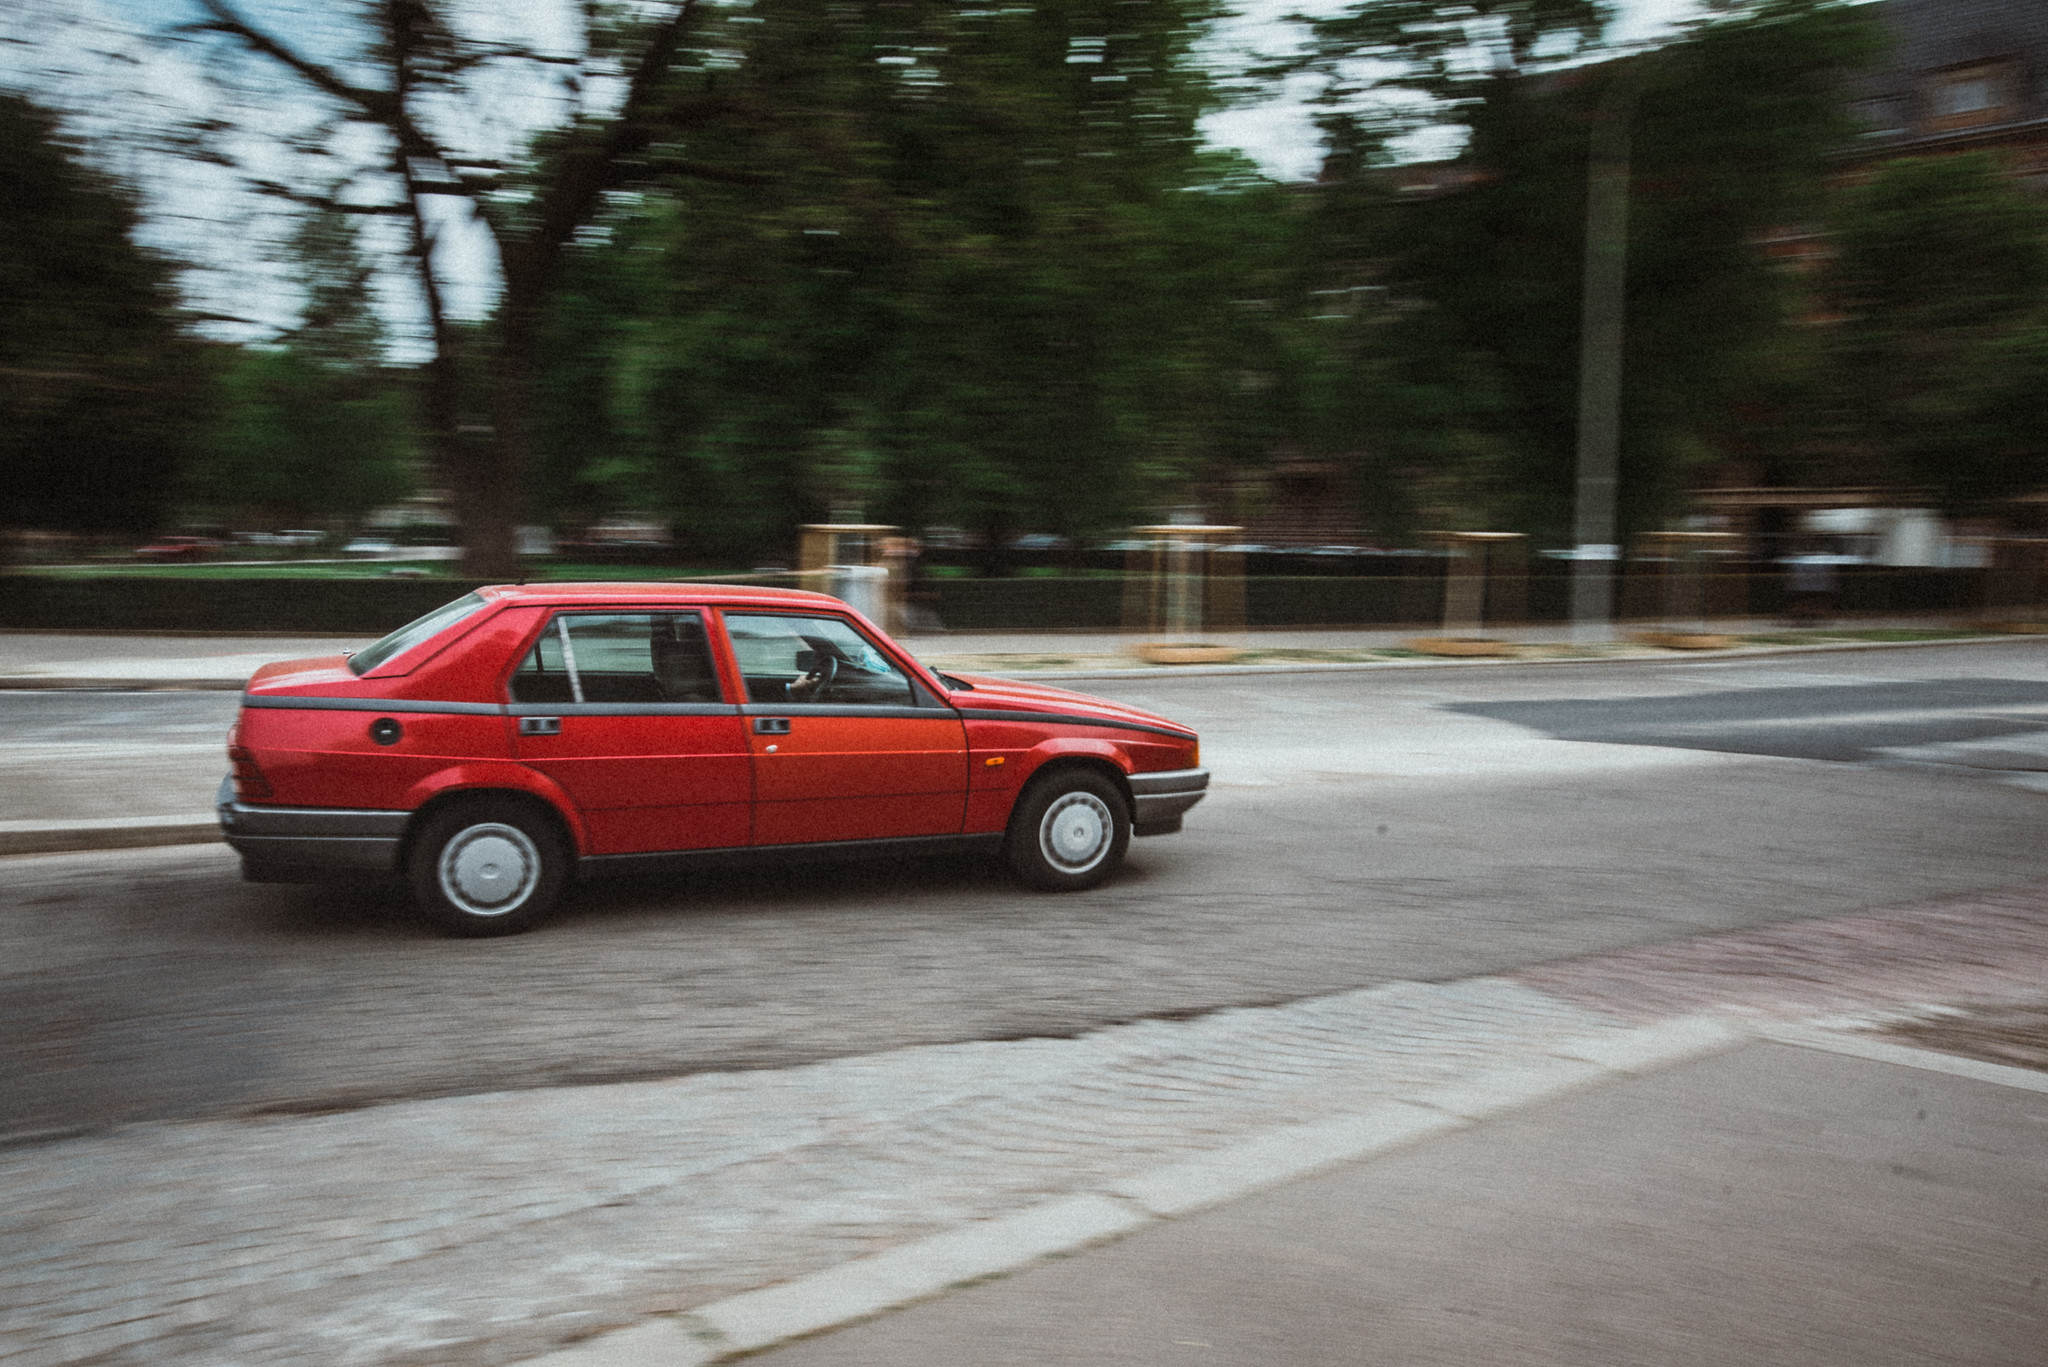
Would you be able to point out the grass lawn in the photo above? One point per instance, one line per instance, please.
(358, 569)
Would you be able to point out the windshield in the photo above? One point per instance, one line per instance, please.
(412, 633)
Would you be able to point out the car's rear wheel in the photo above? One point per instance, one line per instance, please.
(1069, 831)
(488, 866)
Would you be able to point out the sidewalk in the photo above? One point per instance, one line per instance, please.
(1772, 1205)
(59, 660)
(1478, 1171)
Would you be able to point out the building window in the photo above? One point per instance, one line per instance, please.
(1964, 95)
(1969, 97)
(1882, 118)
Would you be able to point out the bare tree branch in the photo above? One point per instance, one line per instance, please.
(382, 107)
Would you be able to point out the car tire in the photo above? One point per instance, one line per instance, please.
(488, 866)
(1069, 831)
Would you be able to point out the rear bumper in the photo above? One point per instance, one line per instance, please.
(311, 839)
(1159, 800)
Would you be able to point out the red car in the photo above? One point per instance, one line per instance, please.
(498, 747)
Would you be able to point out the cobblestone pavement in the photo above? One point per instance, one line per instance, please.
(1957, 953)
(2014, 1035)
(482, 1229)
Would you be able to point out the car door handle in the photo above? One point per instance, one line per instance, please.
(540, 726)
(771, 726)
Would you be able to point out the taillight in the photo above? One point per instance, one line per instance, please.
(250, 784)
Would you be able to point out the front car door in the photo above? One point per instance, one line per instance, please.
(625, 712)
(846, 744)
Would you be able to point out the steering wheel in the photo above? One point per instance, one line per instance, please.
(823, 675)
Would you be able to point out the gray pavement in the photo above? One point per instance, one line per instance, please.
(1773, 1205)
(1362, 831)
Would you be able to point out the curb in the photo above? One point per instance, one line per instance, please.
(865, 1287)
(106, 833)
(1929, 1060)
(126, 685)
(1502, 662)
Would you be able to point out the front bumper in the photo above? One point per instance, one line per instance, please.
(1159, 800)
(310, 839)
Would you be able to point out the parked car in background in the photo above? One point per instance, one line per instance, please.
(498, 748)
(370, 545)
(176, 548)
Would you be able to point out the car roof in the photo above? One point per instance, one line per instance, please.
(614, 591)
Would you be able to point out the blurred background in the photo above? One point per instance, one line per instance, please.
(488, 290)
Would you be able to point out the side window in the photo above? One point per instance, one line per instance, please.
(619, 657)
(544, 676)
(814, 660)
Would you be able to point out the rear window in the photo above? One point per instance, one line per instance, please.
(412, 633)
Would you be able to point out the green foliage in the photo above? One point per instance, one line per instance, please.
(1448, 52)
(987, 278)
(936, 262)
(314, 430)
(1729, 137)
(301, 442)
(99, 388)
(1941, 276)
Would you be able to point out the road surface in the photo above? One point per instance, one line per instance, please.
(1365, 828)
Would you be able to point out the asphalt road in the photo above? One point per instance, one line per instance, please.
(1364, 828)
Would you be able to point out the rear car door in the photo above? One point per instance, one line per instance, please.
(846, 744)
(624, 711)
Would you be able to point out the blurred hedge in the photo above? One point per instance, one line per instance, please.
(170, 603)
(374, 606)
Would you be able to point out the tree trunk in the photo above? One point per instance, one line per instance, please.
(486, 501)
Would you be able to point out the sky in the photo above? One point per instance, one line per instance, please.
(204, 216)
(1279, 136)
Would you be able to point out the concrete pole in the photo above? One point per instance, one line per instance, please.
(1603, 313)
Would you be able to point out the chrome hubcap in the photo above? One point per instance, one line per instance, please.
(489, 869)
(1075, 832)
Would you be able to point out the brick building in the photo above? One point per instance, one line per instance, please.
(1964, 75)
(1961, 76)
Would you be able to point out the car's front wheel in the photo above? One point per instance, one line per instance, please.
(1069, 831)
(488, 866)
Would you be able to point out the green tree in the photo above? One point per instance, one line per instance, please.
(429, 90)
(315, 430)
(988, 278)
(1730, 138)
(1941, 278)
(101, 392)
(301, 443)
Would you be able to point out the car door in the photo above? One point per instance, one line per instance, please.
(846, 744)
(624, 711)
